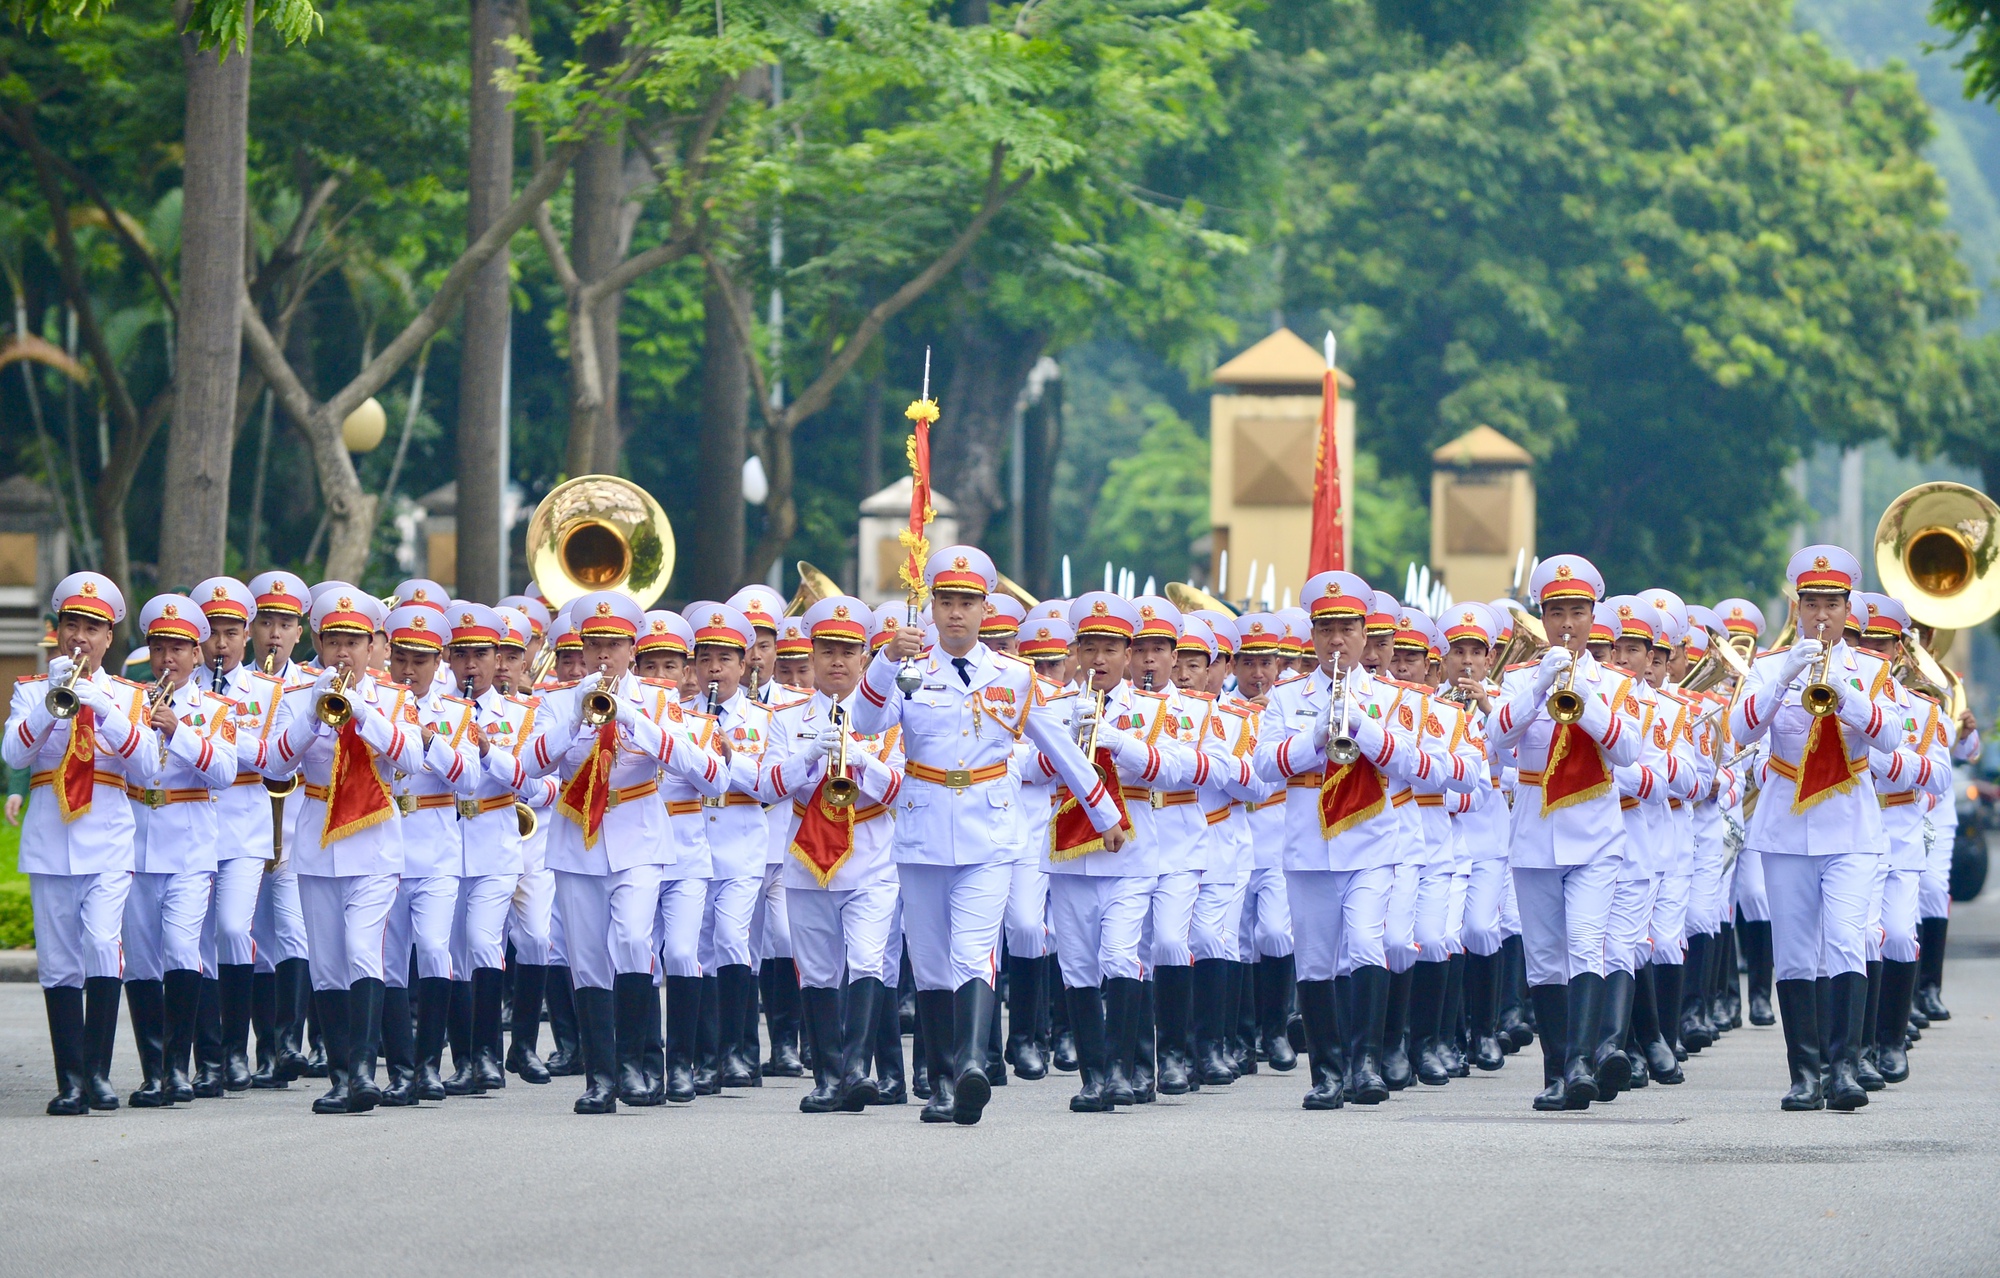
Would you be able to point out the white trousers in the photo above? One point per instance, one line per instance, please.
(1934, 884)
(1028, 910)
(846, 932)
(1819, 912)
(951, 921)
(1751, 899)
(1485, 892)
(1218, 912)
(345, 919)
(479, 923)
(528, 916)
(1097, 922)
(1399, 919)
(78, 918)
(1564, 912)
(1627, 945)
(279, 928)
(232, 913)
(1337, 919)
(725, 923)
(1431, 919)
(164, 914)
(1510, 903)
(1705, 896)
(770, 919)
(420, 916)
(1454, 910)
(1669, 924)
(678, 929)
(1170, 919)
(1899, 915)
(1266, 930)
(1871, 932)
(608, 923)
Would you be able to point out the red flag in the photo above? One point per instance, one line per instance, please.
(1328, 550)
(76, 777)
(356, 795)
(921, 412)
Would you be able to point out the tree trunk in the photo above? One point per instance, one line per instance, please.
(1043, 435)
(597, 246)
(488, 315)
(717, 559)
(208, 341)
(991, 361)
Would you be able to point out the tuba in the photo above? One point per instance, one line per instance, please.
(1935, 549)
(1193, 599)
(1723, 661)
(1524, 641)
(600, 532)
(814, 586)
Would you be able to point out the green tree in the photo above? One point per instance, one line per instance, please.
(1154, 502)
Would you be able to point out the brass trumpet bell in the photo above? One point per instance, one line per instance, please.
(600, 532)
(1936, 548)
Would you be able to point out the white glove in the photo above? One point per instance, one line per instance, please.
(627, 713)
(1554, 662)
(96, 698)
(1323, 726)
(1802, 655)
(827, 745)
(1086, 714)
(59, 668)
(1368, 734)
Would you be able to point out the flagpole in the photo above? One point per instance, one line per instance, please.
(922, 414)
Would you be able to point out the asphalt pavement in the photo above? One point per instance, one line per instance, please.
(1707, 1177)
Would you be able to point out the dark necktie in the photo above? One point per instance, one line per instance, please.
(964, 665)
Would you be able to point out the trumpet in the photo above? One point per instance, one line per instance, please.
(1342, 749)
(1565, 703)
(62, 701)
(1086, 728)
(599, 707)
(335, 710)
(1819, 697)
(841, 789)
(278, 790)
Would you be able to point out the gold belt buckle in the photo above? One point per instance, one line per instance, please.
(711, 801)
(612, 800)
(1156, 799)
(406, 803)
(153, 798)
(958, 778)
(468, 809)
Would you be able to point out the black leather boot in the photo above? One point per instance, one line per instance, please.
(1121, 1038)
(399, 1048)
(635, 1004)
(1145, 1045)
(891, 1087)
(1608, 1060)
(1086, 1022)
(920, 1056)
(1027, 994)
(208, 1076)
(735, 987)
(100, 1034)
(972, 1014)
(683, 1015)
(1551, 1026)
(1930, 960)
(330, 1014)
(1694, 1030)
(1798, 1005)
(1482, 1010)
(233, 990)
(525, 1002)
(1398, 1069)
(708, 1041)
(1343, 1019)
(293, 994)
(1322, 1026)
(1062, 1038)
(1850, 1000)
(1364, 1053)
(1724, 989)
(1426, 1013)
(314, 1043)
(433, 1011)
(1755, 938)
(860, 1009)
(1239, 1019)
(1865, 1068)
(1451, 1041)
(597, 1044)
(1668, 984)
(782, 1014)
(181, 997)
(1173, 990)
(560, 994)
(1661, 1067)
(487, 1051)
(1892, 1019)
(464, 1079)
(1581, 1017)
(64, 1006)
(364, 1040)
(1515, 1004)
(822, 1026)
(264, 1026)
(145, 1001)
(1212, 979)
(1271, 978)
(935, 1010)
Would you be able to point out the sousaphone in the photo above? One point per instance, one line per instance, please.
(600, 532)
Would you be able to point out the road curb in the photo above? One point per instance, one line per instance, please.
(19, 965)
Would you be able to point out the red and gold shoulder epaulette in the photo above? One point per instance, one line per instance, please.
(35, 678)
(1924, 696)
(1198, 696)
(457, 701)
(1521, 665)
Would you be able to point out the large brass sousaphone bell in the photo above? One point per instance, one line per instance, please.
(600, 532)
(1936, 549)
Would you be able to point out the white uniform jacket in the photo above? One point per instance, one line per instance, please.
(957, 805)
(176, 828)
(1580, 832)
(1287, 754)
(1156, 776)
(739, 834)
(98, 841)
(1440, 791)
(433, 839)
(243, 811)
(1909, 779)
(493, 842)
(792, 768)
(1229, 788)
(387, 724)
(1645, 783)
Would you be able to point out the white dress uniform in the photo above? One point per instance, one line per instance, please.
(1266, 930)
(957, 828)
(1820, 852)
(434, 845)
(1568, 835)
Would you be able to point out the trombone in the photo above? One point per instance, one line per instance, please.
(62, 701)
(1565, 703)
(841, 788)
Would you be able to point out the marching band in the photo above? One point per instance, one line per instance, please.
(1189, 842)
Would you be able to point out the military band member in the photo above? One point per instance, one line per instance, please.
(1568, 832)
(793, 667)
(505, 722)
(955, 824)
(1265, 933)
(1745, 620)
(174, 850)
(1934, 885)
(1026, 932)
(840, 876)
(1818, 825)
